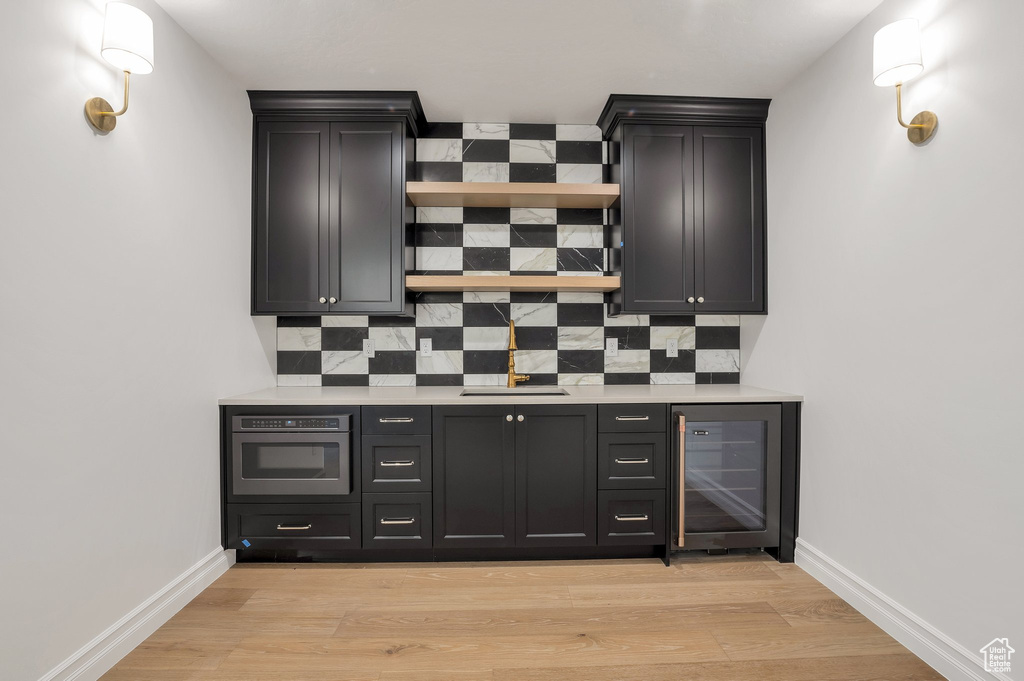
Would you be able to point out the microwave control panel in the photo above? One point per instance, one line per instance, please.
(293, 424)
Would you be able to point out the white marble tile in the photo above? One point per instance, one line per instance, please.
(531, 151)
(393, 380)
(348, 321)
(439, 314)
(628, 362)
(578, 133)
(484, 379)
(582, 173)
(486, 296)
(439, 150)
(718, 360)
(439, 258)
(298, 338)
(485, 338)
(439, 214)
(580, 337)
(488, 273)
(604, 153)
(580, 297)
(580, 379)
(536, 361)
(580, 236)
(685, 336)
(440, 362)
(492, 131)
(484, 172)
(343, 362)
(485, 236)
(534, 314)
(673, 379)
(533, 216)
(717, 320)
(299, 380)
(393, 337)
(533, 259)
(626, 319)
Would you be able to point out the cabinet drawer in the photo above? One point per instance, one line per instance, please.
(392, 521)
(327, 527)
(631, 418)
(396, 463)
(631, 461)
(396, 420)
(631, 517)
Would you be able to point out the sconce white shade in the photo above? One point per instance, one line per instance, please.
(128, 38)
(897, 53)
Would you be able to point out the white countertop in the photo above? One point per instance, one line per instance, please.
(590, 394)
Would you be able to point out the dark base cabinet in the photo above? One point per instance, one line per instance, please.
(324, 527)
(394, 521)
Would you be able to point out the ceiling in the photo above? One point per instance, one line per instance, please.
(519, 60)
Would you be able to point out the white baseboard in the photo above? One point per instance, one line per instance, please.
(96, 657)
(945, 655)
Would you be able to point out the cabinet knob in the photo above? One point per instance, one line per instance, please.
(509, 417)
(520, 418)
(699, 300)
(690, 299)
(322, 299)
(334, 300)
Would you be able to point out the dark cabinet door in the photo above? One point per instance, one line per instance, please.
(556, 475)
(367, 222)
(729, 209)
(290, 249)
(657, 219)
(474, 476)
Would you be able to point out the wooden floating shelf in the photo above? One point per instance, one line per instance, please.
(425, 282)
(512, 194)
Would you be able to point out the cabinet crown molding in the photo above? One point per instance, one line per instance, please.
(401, 105)
(681, 110)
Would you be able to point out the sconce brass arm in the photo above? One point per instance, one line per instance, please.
(99, 112)
(899, 108)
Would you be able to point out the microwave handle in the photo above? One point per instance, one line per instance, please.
(681, 494)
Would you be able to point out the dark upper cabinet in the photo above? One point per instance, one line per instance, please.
(331, 229)
(689, 234)
(556, 475)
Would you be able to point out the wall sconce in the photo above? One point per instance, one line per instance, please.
(128, 45)
(898, 59)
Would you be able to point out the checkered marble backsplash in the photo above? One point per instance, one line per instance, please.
(561, 336)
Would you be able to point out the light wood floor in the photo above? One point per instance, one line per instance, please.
(727, 618)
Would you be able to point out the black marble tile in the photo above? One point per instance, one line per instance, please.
(672, 320)
(442, 337)
(485, 361)
(580, 216)
(298, 321)
(577, 152)
(532, 273)
(532, 172)
(485, 150)
(443, 131)
(343, 337)
(485, 216)
(392, 321)
(357, 380)
(439, 297)
(438, 234)
(533, 236)
(490, 258)
(537, 337)
(485, 314)
(627, 379)
(580, 259)
(630, 337)
(439, 171)
(438, 379)
(580, 361)
(534, 296)
(298, 362)
(393, 362)
(531, 131)
(717, 337)
(725, 378)
(542, 379)
(686, 362)
(581, 314)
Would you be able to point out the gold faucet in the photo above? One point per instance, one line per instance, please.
(513, 377)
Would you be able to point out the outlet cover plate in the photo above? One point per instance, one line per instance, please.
(426, 347)
(611, 347)
(672, 347)
(368, 350)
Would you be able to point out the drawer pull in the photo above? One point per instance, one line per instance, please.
(701, 432)
(397, 521)
(294, 528)
(397, 463)
(634, 460)
(397, 419)
(631, 517)
(632, 418)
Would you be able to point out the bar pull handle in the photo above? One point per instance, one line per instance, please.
(294, 528)
(397, 521)
(632, 418)
(701, 432)
(397, 419)
(631, 517)
(682, 480)
(633, 460)
(396, 463)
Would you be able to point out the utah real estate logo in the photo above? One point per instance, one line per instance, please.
(997, 655)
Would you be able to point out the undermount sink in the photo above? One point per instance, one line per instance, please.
(499, 390)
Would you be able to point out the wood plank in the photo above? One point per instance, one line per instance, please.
(469, 282)
(512, 194)
(834, 640)
(694, 593)
(824, 611)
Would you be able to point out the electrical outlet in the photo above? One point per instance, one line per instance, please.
(611, 347)
(426, 347)
(672, 347)
(368, 350)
